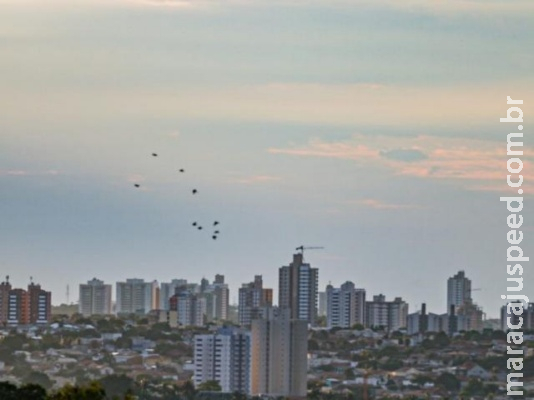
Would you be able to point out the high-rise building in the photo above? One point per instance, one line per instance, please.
(95, 298)
(223, 357)
(23, 307)
(167, 290)
(525, 320)
(190, 307)
(253, 298)
(217, 296)
(298, 288)
(458, 291)
(322, 308)
(279, 355)
(470, 317)
(5, 288)
(392, 315)
(18, 312)
(40, 303)
(345, 306)
(135, 296)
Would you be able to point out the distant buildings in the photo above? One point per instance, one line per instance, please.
(253, 299)
(135, 296)
(345, 306)
(298, 289)
(218, 299)
(458, 291)
(423, 322)
(189, 305)
(95, 298)
(223, 357)
(392, 315)
(526, 319)
(279, 355)
(167, 290)
(23, 307)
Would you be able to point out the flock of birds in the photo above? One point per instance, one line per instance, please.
(194, 192)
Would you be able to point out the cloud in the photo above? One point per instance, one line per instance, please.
(380, 205)
(436, 7)
(406, 155)
(17, 172)
(256, 179)
(476, 164)
(174, 134)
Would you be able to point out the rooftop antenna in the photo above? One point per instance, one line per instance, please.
(31, 280)
(68, 295)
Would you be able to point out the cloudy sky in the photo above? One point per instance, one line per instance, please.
(368, 127)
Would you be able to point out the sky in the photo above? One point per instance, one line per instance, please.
(370, 128)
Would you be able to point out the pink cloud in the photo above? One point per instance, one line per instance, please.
(477, 163)
(256, 179)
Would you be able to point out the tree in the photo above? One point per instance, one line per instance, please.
(92, 392)
(448, 382)
(31, 392)
(210, 386)
(188, 390)
(8, 391)
(38, 378)
(116, 385)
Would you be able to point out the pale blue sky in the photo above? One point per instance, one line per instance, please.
(367, 127)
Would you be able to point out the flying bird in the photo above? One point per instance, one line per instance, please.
(199, 228)
(194, 191)
(216, 223)
(214, 237)
(216, 232)
(194, 224)
(137, 185)
(182, 170)
(154, 155)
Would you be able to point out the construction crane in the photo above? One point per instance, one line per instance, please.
(302, 248)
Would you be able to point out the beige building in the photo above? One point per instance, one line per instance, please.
(95, 298)
(279, 355)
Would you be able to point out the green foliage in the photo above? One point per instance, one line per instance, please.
(38, 378)
(210, 386)
(31, 392)
(448, 382)
(116, 385)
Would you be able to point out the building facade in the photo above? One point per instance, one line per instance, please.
(458, 290)
(279, 355)
(223, 357)
(392, 315)
(298, 286)
(135, 296)
(253, 299)
(345, 306)
(95, 298)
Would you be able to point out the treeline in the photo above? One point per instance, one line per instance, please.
(93, 391)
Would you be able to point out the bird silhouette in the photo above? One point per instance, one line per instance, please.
(137, 185)
(216, 223)
(194, 224)
(216, 232)
(154, 155)
(182, 170)
(214, 237)
(194, 191)
(199, 228)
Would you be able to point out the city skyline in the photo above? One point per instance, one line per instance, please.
(295, 129)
